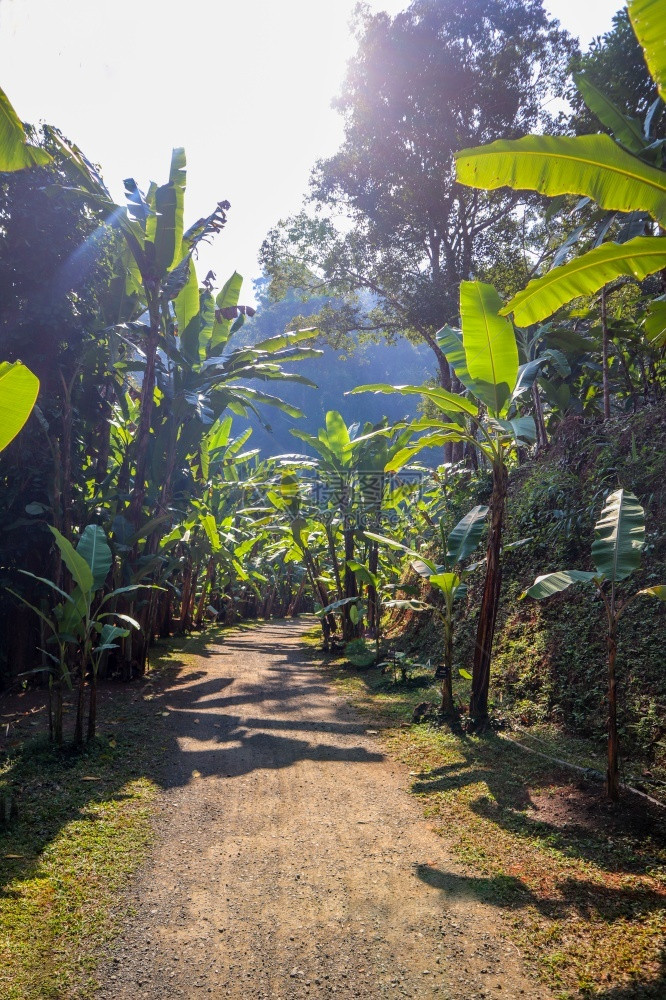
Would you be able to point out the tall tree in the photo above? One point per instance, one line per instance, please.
(437, 75)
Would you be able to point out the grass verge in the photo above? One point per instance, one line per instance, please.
(84, 825)
(581, 884)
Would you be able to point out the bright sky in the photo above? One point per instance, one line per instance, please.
(245, 86)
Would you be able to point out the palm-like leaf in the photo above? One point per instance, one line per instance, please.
(75, 563)
(620, 536)
(648, 19)
(15, 152)
(490, 345)
(591, 165)
(443, 400)
(626, 130)
(169, 203)
(555, 583)
(586, 275)
(466, 535)
(18, 393)
(94, 548)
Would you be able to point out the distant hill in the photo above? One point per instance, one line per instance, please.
(335, 373)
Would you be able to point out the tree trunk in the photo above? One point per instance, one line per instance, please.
(446, 707)
(373, 600)
(210, 572)
(605, 353)
(92, 706)
(146, 406)
(478, 707)
(80, 706)
(445, 382)
(185, 593)
(349, 629)
(542, 436)
(612, 779)
(55, 711)
(330, 538)
(292, 610)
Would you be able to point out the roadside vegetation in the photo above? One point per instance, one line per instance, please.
(434, 547)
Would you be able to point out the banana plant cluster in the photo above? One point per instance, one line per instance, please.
(616, 554)
(489, 418)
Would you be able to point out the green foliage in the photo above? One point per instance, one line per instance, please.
(18, 394)
(648, 18)
(15, 152)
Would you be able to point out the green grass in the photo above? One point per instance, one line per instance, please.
(582, 893)
(83, 828)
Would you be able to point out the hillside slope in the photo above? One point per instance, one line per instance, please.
(549, 664)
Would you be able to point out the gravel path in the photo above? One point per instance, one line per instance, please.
(291, 861)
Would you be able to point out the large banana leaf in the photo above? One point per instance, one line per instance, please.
(585, 275)
(18, 393)
(337, 435)
(169, 203)
(94, 548)
(15, 152)
(591, 165)
(620, 536)
(226, 299)
(284, 341)
(626, 130)
(446, 583)
(450, 341)
(490, 345)
(186, 303)
(554, 583)
(648, 19)
(655, 323)
(466, 535)
(449, 402)
(75, 563)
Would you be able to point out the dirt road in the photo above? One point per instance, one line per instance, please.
(290, 859)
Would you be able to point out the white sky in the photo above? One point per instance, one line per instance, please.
(244, 85)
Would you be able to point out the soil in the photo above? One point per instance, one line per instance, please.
(290, 859)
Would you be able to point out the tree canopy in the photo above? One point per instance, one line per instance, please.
(423, 84)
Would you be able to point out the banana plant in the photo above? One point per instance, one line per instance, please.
(485, 359)
(449, 579)
(79, 624)
(619, 175)
(616, 554)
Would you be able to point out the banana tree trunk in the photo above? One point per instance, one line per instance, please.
(612, 775)
(478, 708)
(292, 610)
(210, 573)
(185, 594)
(80, 705)
(92, 706)
(330, 538)
(446, 706)
(542, 436)
(605, 350)
(373, 600)
(349, 629)
(146, 406)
